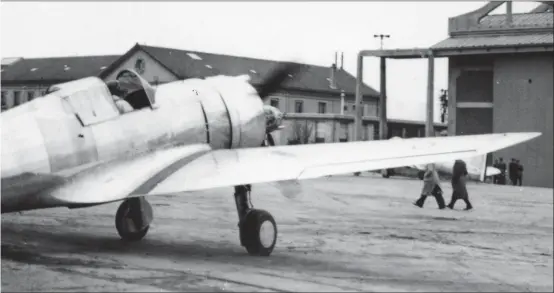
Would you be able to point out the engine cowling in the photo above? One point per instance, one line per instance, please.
(244, 108)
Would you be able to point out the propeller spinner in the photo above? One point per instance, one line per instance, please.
(274, 117)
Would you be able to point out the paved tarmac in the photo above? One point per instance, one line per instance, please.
(341, 233)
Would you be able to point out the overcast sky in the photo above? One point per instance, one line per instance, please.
(307, 31)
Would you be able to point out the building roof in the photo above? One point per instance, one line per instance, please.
(56, 69)
(530, 20)
(480, 21)
(183, 64)
(194, 64)
(9, 60)
(488, 41)
(479, 32)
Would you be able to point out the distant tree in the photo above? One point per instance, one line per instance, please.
(444, 105)
(301, 132)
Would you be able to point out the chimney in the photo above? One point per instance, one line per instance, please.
(341, 60)
(332, 81)
(509, 12)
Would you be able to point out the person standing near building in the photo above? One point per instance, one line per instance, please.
(459, 190)
(519, 174)
(502, 168)
(512, 171)
(431, 186)
(495, 177)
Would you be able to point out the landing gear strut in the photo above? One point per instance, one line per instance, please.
(257, 228)
(133, 219)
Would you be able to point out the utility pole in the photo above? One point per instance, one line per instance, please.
(381, 36)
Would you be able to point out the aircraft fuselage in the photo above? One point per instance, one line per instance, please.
(51, 137)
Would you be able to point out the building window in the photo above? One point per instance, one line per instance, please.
(322, 107)
(299, 107)
(16, 98)
(353, 107)
(345, 108)
(274, 103)
(30, 96)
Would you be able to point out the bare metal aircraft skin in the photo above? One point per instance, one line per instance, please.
(73, 148)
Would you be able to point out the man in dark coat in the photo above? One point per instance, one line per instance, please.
(512, 171)
(502, 175)
(519, 173)
(431, 186)
(459, 190)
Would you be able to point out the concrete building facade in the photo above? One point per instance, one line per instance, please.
(501, 80)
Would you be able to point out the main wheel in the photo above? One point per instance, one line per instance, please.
(125, 223)
(258, 233)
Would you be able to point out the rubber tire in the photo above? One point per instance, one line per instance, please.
(386, 174)
(250, 232)
(420, 175)
(125, 234)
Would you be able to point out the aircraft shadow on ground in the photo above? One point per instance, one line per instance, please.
(32, 245)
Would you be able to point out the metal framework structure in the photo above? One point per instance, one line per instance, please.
(394, 54)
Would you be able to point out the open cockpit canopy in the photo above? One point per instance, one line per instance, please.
(135, 89)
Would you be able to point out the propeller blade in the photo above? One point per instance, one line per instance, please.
(276, 78)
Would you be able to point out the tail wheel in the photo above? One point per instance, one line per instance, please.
(258, 233)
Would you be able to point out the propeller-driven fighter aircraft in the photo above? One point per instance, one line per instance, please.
(73, 148)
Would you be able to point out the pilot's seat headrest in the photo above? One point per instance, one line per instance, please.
(113, 87)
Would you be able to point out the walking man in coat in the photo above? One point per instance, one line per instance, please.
(431, 186)
(459, 190)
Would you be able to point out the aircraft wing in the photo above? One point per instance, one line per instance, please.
(197, 167)
(297, 162)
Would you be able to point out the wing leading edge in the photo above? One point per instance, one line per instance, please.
(222, 168)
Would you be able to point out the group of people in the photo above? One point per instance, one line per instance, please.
(431, 186)
(515, 172)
